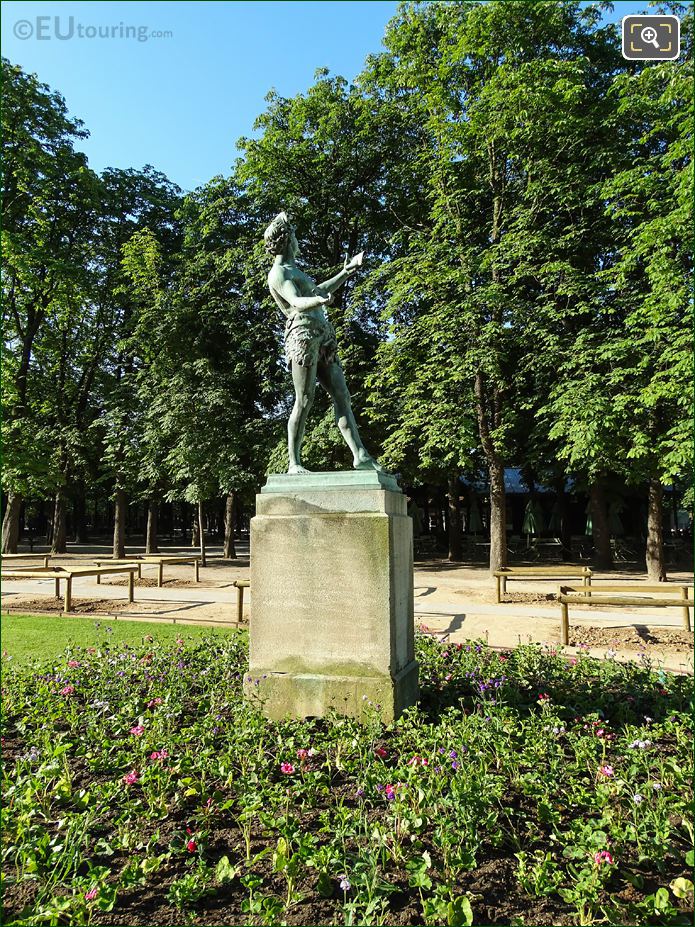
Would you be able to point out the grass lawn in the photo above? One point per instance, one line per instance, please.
(37, 637)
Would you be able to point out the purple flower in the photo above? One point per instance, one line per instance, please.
(345, 884)
(454, 765)
(453, 754)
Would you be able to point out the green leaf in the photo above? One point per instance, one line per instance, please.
(459, 912)
(681, 887)
(224, 871)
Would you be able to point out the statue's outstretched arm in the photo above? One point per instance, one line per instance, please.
(349, 268)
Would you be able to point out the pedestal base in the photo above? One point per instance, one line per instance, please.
(312, 695)
(331, 626)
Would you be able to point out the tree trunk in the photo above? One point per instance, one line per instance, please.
(10, 523)
(454, 519)
(603, 554)
(656, 564)
(488, 413)
(195, 530)
(151, 533)
(229, 552)
(59, 545)
(565, 523)
(79, 512)
(201, 530)
(119, 517)
(498, 517)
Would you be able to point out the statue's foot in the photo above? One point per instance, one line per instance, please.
(295, 469)
(364, 462)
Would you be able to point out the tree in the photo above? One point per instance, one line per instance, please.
(486, 83)
(622, 403)
(651, 202)
(211, 372)
(135, 201)
(49, 202)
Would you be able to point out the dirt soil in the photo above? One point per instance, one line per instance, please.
(150, 582)
(651, 640)
(80, 606)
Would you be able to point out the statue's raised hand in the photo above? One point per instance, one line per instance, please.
(354, 262)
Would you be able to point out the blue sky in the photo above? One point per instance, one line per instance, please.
(180, 102)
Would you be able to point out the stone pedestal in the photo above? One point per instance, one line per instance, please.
(331, 624)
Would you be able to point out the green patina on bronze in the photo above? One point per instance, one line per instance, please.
(311, 349)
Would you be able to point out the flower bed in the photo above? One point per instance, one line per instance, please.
(140, 788)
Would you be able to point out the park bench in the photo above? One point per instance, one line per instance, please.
(68, 574)
(606, 595)
(15, 557)
(568, 571)
(240, 584)
(157, 560)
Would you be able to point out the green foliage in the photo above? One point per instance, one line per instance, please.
(582, 798)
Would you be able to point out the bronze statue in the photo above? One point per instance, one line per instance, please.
(311, 349)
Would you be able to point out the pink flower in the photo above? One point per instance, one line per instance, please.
(91, 894)
(418, 761)
(137, 731)
(131, 778)
(381, 753)
(543, 697)
(67, 690)
(73, 663)
(154, 701)
(302, 753)
(191, 846)
(159, 755)
(286, 768)
(606, 771)
(603, 857)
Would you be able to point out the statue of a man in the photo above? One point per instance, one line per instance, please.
(310, 346)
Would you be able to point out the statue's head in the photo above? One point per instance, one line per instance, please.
(279, 235)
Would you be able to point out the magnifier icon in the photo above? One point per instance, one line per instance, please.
(648, 36)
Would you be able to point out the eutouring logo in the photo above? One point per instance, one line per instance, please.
(65, 28)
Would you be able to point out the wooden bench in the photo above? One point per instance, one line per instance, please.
(529, 572)
(157, 560)
(14, 557)
(240, 584)
(596, 595)
(70, 573)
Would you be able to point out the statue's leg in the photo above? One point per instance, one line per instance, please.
(332, 378)
(304, 379)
